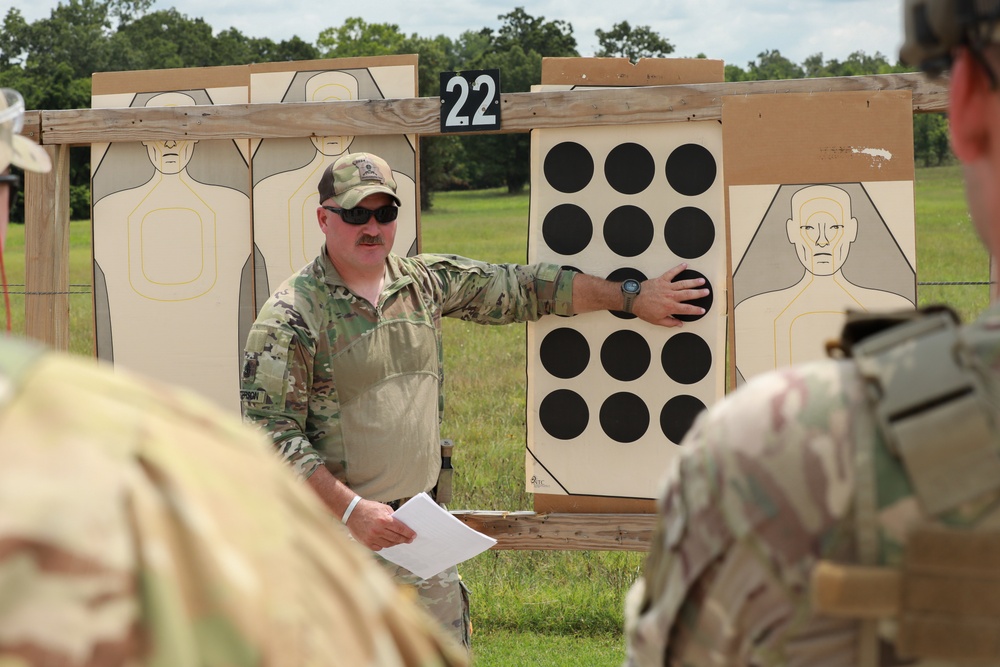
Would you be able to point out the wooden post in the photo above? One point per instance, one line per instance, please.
(46, 252)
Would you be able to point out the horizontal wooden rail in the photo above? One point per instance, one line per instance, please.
(521, 112)
(562, 531)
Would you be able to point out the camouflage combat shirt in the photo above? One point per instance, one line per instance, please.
(141, 526)
(765, 488)
(358, 387)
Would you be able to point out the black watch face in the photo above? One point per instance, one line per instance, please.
(631, 286)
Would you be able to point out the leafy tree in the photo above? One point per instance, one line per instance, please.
(292, 49)
(931, 144)
(516, 49)
(623, 41)
(772, 65)
(546, 38)
(161, 40)
(735, 73)
(857, 64)
(359, 38)
(13, 39)
(128, 10)
(441, 157)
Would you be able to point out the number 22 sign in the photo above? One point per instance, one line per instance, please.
(470, 101)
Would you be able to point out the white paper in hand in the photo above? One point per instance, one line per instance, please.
(441, 541)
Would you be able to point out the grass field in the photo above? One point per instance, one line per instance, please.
(550, 608)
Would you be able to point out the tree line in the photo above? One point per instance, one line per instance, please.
(51, 61)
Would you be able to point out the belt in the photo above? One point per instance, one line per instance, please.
(395, 504)
(399, 502)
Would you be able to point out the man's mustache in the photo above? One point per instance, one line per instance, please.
(370, 240)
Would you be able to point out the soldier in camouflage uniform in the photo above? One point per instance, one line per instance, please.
(140, 527)
(845, 512)
(343, 367)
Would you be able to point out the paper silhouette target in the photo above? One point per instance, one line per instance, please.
(818, 251)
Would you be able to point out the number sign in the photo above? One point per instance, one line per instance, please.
(470, 101)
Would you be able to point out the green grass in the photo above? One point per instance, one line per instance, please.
(550, 608)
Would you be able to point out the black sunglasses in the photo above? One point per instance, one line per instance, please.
(359, 216)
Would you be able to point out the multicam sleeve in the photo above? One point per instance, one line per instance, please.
(274, 393)
(501, 293)
(678, 556)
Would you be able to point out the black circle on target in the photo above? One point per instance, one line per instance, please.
(689, 232)
(567, 229)
(678, 415)
(625, 355)
(686, 358)
(568, 167)
(629, 168)
(564, 353)
(624, 417)
(628, 231)
(563, 414)
(705, 301)
(691, 169)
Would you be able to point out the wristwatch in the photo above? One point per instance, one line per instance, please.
(630, 290)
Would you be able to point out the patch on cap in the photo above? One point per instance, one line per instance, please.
(367, 171)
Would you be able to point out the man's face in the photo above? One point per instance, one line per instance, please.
(821, 228)
(355, 248)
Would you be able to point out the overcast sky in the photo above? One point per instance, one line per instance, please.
(735, 31)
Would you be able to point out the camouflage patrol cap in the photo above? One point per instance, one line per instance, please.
(353, 177)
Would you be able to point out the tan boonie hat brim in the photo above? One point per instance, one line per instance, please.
(354, 176)
(15, 149)
(28, 155)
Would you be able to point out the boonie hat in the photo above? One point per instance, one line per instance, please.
(15, 149)
(353, 177)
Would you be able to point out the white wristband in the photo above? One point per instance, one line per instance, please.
(350, 508)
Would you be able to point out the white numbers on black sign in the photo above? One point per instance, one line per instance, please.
(470, 96)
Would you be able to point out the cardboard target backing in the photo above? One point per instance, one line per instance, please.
(610, 396)
(286, 172)
(821, 217)
(171, 238)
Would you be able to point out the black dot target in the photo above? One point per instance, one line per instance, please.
(705, 301)
(678, 415)
(625, 355)
(620, 276)
(568, 167)
(686, 358)
(624, 417)
(629, 168)
(564, 353)
(691, 169)
(564, 414)
(689, 232)
(628, 231)
(567, 229)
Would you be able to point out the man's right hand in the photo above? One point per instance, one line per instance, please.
(373, 525)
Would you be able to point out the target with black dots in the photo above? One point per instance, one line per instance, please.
(610, 397)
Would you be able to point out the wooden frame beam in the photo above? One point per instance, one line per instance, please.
(521, 112)
(562, 531)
